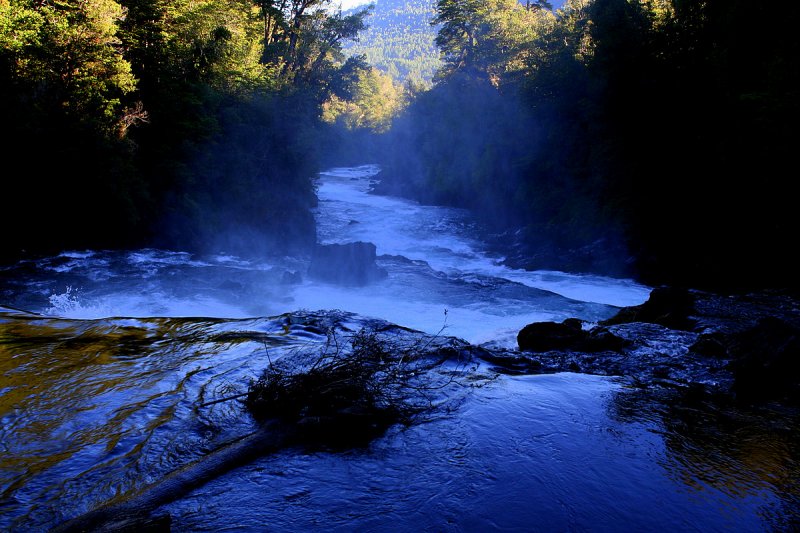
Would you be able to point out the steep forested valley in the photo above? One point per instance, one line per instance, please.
(645, 138)
(421, 265)
(639, 137)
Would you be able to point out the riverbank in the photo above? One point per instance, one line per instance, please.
(639, 408)
(744, 348)
(620, 410)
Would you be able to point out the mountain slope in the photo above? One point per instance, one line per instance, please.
(400, 39)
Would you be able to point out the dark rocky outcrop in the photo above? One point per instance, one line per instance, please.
(672, 307)
(351, 264)
(546, 336)
(711, 345)
(744, 347)
(567, 335)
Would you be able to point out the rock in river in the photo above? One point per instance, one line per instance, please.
(346, 264)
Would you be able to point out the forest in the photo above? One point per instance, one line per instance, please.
(644, 138)
(400, 40)
(190, 125)
(264, 269)
(651, 138)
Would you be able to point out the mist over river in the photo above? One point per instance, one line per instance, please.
(113, 363)
(433, 255)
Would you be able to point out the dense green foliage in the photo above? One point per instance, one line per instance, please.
(371, 104)
(190, 124)
(642, 137)
(400, 40)
(659, 131)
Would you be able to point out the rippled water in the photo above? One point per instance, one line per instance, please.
(111, 371)
(534, 453)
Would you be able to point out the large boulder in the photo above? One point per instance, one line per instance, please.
(546, 336)
(567, 336)
(346, 264)
(671, 307)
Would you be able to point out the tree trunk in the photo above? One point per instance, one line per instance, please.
(133, 510)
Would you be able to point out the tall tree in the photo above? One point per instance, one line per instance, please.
(486, 37)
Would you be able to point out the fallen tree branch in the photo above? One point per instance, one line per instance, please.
(123, 514)
(339, 398)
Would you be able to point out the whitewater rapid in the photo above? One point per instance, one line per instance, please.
(441, 276)
(121, 367)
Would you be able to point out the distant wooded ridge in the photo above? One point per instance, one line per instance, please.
(400, 40)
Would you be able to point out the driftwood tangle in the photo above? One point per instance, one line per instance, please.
(339, 398)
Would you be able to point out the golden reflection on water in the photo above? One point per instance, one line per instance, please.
(82, 396)
(72, 386)
(717, 445)
(86, 396)
(741, 457)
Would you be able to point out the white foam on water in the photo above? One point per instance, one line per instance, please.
(73, 303)
(442, 237)
(485, 300)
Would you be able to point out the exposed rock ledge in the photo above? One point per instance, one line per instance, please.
(349, 264)
(740, 350)
(746, 347)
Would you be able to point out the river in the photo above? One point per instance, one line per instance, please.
(112, 362)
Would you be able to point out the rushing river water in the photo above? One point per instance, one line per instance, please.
(112, 362)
